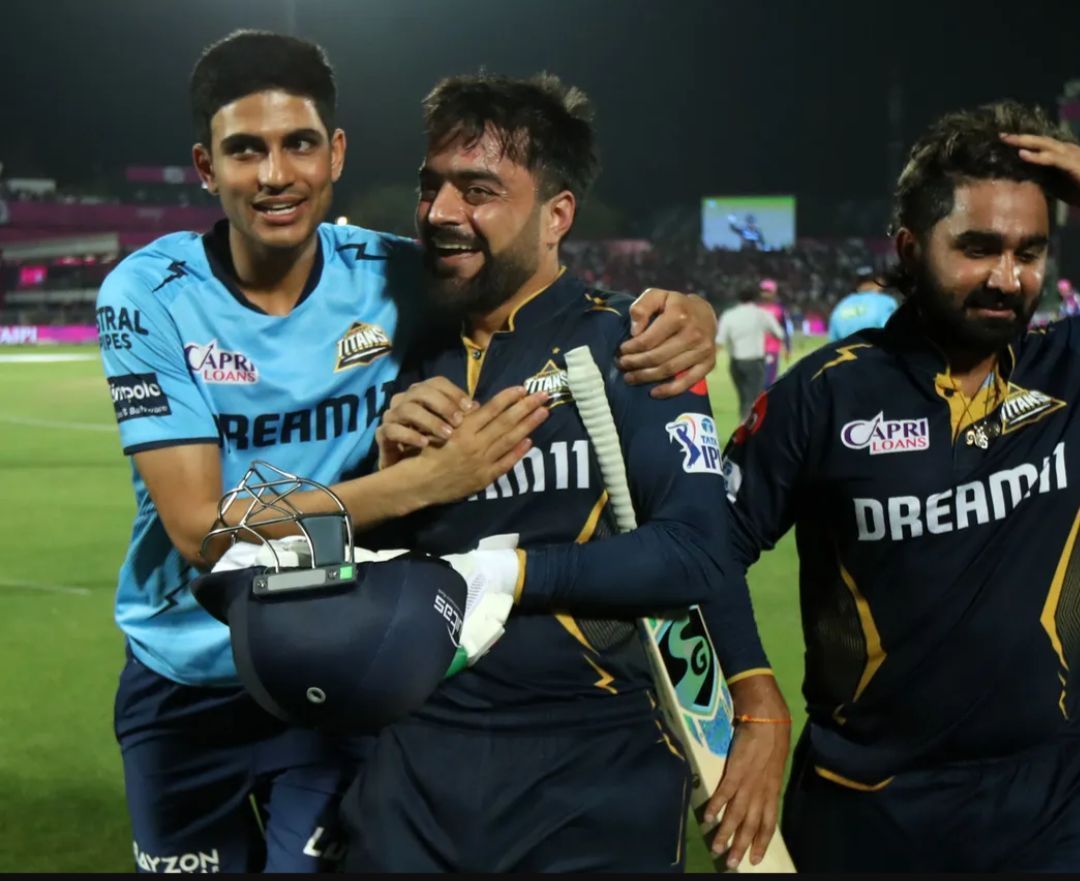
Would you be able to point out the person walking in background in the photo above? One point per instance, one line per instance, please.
(774, 344)
(742, 331)
(1070, 299)
(868, 306)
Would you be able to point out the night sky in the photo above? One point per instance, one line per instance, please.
(693, 97)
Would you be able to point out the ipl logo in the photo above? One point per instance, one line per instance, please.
(696, 434)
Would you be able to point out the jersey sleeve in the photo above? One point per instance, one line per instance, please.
(764, 465)
(679, 554)
(155, 398)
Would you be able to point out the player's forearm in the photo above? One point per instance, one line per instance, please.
(658, 566)
(370, 501)
(729, 616)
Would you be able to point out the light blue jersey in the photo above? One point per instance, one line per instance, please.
(858, 311)
(189, 360)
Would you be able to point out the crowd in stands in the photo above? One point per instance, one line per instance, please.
(811, 277)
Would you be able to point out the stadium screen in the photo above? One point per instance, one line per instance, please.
(762, 223)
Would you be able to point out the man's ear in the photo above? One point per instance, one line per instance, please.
(204, 165)
(560, 212)
(337, 154)
(907, 247)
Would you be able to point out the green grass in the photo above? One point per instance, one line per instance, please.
(64, 527)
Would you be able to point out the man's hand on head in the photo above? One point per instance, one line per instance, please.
(1064, 156)
(671, 341)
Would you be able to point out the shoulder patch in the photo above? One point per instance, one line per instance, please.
(696, 435)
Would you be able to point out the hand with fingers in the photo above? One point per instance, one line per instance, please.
(749, 791)
(427, 412)
(671, 341)
(1054, 153)
(489, 440)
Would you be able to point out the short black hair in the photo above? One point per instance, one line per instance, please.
(249, 61)
(542, 125)
(965, 146)
(748, 294)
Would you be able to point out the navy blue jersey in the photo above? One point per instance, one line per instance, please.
(189, 360)
(939, 587)
(557, 664)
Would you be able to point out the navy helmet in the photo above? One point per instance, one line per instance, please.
(320, 640)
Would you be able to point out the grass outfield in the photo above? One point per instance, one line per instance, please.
(64, 527)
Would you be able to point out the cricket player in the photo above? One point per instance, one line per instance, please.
(928, 472)
(549, 754)
(867, 306)
(774, 345)
(272, 336)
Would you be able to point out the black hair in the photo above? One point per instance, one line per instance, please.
(748, 294)
(249, 61)
(541, 124)
(961, 147)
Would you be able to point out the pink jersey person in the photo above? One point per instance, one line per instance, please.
(773, 345)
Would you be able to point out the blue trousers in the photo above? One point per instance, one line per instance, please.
(215, 784)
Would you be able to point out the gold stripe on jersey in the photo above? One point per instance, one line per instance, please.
(664, 738)
(875, 654)
(605, 679)
(753, 671)
(475, 355)
(572, 628)
(847, 782)
(583, 536)
(1060, 612)
(519, 585)
(513, 315)
(594, 517)
(845, 353)
(965, 411)
(474, 361)
(680, 836)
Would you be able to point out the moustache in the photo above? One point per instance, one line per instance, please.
(986, 298)
(438, 239)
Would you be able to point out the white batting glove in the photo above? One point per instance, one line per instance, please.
(291, 552)
(491, 576)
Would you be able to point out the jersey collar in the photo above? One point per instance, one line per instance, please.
(540, 305)
(906, 333)
(219, 256)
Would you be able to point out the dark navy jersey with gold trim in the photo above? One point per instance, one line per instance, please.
(566, 665)
(940, 595)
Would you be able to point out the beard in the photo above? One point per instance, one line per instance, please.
(500, 277)
(951, 325)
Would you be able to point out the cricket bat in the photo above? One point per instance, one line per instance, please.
(690, 685)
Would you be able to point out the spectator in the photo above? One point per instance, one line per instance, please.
(742, 332)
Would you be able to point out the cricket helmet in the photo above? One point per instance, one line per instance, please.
(320, 640)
